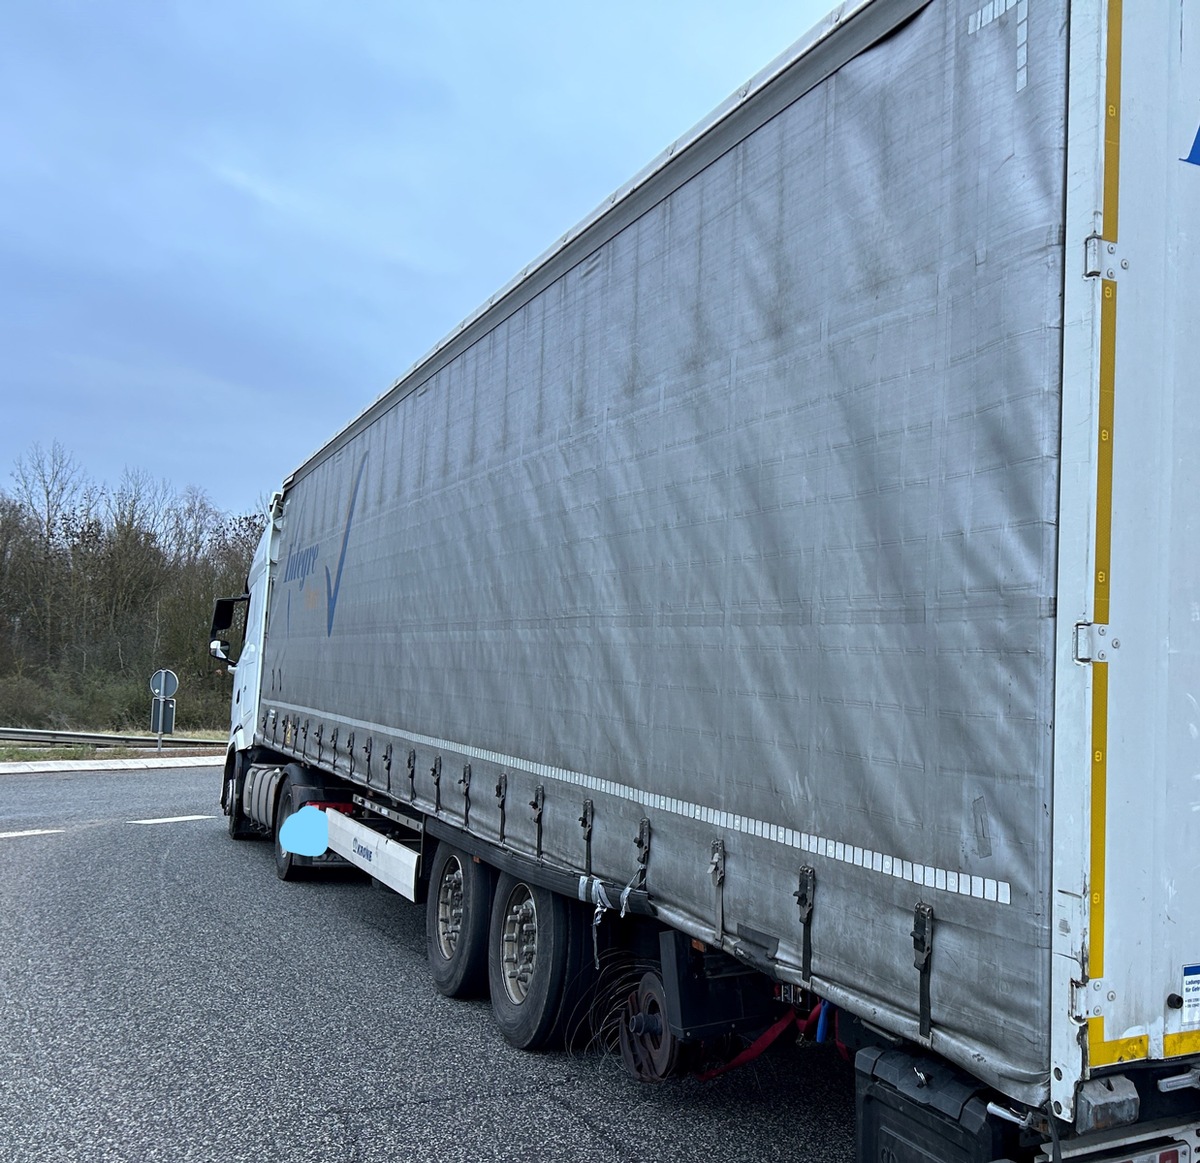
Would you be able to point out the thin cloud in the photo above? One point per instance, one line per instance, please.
(219, 217)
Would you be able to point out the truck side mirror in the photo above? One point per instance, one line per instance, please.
(219, 649)
(223, 614)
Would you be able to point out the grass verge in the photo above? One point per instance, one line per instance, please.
(86, 751)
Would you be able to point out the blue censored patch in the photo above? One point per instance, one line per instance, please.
(305, 833)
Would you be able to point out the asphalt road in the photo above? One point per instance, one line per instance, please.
(164, 997)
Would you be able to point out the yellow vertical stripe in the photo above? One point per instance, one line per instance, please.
(1104, 451)
(1099, 815)
(1112, 122)
(1100, 1051)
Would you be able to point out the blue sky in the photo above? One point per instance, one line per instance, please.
(226, 227)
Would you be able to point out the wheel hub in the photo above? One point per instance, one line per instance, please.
(519, 943)
(450, 907)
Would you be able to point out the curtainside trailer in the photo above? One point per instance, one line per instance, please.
(786, 589)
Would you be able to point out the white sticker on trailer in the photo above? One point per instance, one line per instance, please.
(387, 861)
(1191, 995)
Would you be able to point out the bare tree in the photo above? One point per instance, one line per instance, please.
(47, 488)
(48, 483)
(100, 586)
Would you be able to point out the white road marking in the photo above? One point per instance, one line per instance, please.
(171, 820)
(32, 832)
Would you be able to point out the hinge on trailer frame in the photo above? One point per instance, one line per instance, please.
(501, 794)
(465, 784)
(585, 822)
(435, 773)
(716, 869)
(1075, 1004)
(1080, 1001)
(539, 799)
(1102, 259)
(804, 902)
(1093, 642)
(922, 939)
(1093, 998)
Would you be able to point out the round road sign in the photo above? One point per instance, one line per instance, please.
(163, 684)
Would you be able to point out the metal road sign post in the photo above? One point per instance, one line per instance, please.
(163, 685)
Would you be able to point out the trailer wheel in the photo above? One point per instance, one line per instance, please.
(649, 1051)
(457, 915)
(287, 867)
(533, 953)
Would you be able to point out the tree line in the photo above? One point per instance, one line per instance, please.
(100, 586)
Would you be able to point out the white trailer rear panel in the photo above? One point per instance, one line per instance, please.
(1127, 753)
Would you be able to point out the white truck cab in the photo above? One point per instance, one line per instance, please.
(247, 669)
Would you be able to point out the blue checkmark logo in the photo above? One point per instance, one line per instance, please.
(1194, 157)
(333, 585)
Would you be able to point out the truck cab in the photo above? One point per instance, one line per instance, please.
(247, 667)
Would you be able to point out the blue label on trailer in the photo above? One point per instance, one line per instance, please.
(1191, 995)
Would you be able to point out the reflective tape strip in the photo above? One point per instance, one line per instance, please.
(952, 880)
(1112, 123)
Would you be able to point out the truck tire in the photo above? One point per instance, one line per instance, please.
(239, 826)
(457, 917)
(578, 1017)
(287, 866)
(533, 953)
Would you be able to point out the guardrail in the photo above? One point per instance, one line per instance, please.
(95, 739)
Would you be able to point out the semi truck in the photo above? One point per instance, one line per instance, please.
(786, 589)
